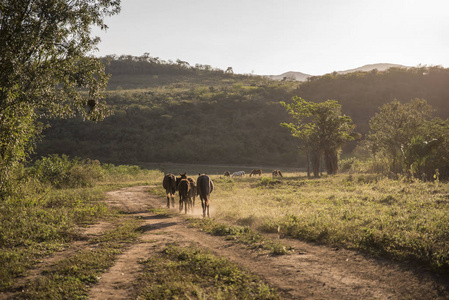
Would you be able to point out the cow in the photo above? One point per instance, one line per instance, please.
(276, 173)
(227, 174)
(238, 174)
(192, 192)
(169, 184)
(184, 193)
(256, 172)
(204, 186)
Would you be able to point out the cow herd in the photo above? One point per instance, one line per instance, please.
(275, 173)
(188, 188)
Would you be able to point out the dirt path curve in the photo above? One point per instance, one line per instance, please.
(311, 272)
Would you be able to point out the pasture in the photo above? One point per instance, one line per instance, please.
(370, 213)
(398, 219)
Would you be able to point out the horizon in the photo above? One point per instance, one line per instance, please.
(264, 37)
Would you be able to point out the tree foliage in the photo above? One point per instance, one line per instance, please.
(322, 129)
(394, 128)
(46, 70)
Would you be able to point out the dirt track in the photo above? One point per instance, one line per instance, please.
(311, 272)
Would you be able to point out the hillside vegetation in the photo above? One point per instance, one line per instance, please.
(174, 112)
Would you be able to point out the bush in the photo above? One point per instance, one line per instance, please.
(62, 172)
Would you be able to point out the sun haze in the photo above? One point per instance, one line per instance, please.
(268, 37)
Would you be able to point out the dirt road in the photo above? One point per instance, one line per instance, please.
(310, 272)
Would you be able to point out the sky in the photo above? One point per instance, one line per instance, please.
(270, 37)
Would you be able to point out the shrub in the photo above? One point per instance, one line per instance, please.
(62, 172)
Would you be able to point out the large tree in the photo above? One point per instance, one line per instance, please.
(322, 129)
(394, 131)
(46, 69)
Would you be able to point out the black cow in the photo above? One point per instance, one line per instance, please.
(204, 186)
(184, 193)
(169, 184)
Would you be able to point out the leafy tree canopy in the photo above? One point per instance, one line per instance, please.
(321, 127)
(394, 128)
(46, 70)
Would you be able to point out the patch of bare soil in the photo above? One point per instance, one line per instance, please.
(311, 272)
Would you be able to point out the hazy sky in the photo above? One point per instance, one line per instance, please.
(270, 37)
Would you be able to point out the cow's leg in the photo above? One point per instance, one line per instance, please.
(203, 205)
(168, 200)
(207, 205)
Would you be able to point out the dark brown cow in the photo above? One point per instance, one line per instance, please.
(256, 172)
(204, 186)
(184, 193)
(277, 173)
(192, 192)
(169, 184)
(227, 174)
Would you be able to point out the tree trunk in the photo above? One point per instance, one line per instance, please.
(315, 158)
(331, 161)
(308, 162)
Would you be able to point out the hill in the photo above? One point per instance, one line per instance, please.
(368, 68)
(174, 113)
(362, 93)
(171, 112)
(298, 76)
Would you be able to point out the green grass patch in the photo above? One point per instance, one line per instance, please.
(188, 272)
(72, 277)
(43, 216)
(240, 234)
(34, 227)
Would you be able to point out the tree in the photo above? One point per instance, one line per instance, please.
(46, 70)
(394, 127)
(417, 152)
(229, 70)
(322, 129)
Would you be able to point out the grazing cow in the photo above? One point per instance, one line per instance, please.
(256, 172)
(169, 184)
(227, 174)
(192, 193)
(184, 193)
(277, 173)
(238, 174)
(204, 186)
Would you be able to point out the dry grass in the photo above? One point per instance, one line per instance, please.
(404, 220)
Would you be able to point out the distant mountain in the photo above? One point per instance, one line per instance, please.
(298, 76)
(367, 68)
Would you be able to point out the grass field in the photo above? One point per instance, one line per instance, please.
(398, 219)
(371, 213)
